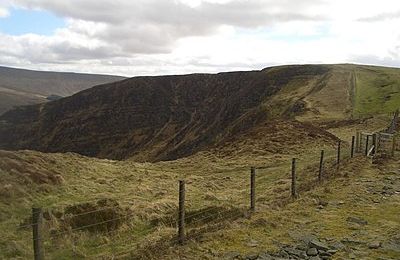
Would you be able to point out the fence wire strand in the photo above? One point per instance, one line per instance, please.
(199, 218)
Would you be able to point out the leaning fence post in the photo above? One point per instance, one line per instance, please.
(293, 188)
(181, 217)
(338, 154)
(366, 145)
(352, 146)
(321, 162)
(252, 189)
(36, 231)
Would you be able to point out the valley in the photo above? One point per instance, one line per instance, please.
(20, 87)
(104, 166)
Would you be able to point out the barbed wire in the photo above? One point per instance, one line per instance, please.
(224, 214)
(220, 215)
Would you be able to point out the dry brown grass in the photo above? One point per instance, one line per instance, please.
(217, 189)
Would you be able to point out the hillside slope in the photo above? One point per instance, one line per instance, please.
(25, 87)
(217, 199)
(169, 117)
(154, 118)
(353, 91)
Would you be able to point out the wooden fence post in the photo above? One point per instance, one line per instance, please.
(374, 142)
(338, 154)
(366, 145)
(321, 163)
(293, 188)
(181, 217)
(352, 146)
(252, 189)
(393, 145)
(378, 142)
(37, 234)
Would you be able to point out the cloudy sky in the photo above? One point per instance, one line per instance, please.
(153, 37)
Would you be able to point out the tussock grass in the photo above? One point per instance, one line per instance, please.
(217, 196)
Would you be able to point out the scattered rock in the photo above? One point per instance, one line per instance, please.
(283, 254)
(352, 241)
(251, 257)
(312, 251)
(393, 244)
(265, 256)
(303, 237)
(252, 243)
(301, 247)
(357, 220)
(325, 254)
(293, 251)
(374, 245)
(332, 251)
(231, 255)
(336, 246)
(318, 245)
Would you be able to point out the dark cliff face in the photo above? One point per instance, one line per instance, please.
(149, 118)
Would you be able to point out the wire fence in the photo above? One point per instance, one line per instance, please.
(102, 229)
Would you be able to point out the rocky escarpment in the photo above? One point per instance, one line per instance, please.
(153, 118)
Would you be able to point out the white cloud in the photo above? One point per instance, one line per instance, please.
(180, 36)
(4, 12)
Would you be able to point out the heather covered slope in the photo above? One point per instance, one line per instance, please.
(25, 87)
(169, 117)
(155, 118)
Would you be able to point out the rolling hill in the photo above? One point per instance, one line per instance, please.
(155, 118)
(169, 117)
(24, 87)
(206, 129)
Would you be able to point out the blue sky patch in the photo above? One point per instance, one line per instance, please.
(22, 21)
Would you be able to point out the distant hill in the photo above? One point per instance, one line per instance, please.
(25, 87)
(169, 117)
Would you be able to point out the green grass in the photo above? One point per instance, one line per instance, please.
(303, 217)
(377, 90)
(214, 181)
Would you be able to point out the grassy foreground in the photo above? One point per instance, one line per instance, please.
(142, 199)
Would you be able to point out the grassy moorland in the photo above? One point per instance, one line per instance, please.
(143, 197)
(377, 90)
(106, 209)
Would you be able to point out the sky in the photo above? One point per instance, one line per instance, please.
(157, 37)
